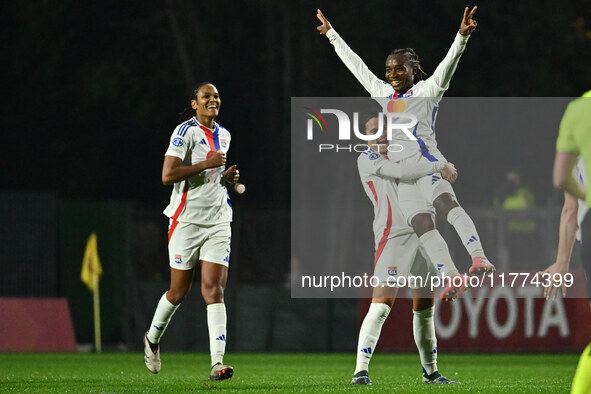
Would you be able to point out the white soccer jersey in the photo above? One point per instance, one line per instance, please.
(421, 100)
(379, 177)
(200, 199)
(580, 174)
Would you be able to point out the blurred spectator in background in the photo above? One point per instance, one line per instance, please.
(514, 197)
(512, 194)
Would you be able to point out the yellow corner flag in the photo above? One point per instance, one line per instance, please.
(91, 264)
(91, 271)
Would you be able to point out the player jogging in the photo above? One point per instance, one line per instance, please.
(406, 89)
(574, 140)
(199, 232)
(397, 255)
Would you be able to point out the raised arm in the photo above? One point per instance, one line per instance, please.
(439, 82)
(374, 86)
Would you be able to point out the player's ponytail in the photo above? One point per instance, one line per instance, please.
(413, 58)
(186, 114)
(189, 112)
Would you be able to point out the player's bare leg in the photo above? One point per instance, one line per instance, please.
(213, 283)
(180, 284)
(424, 334)
(446, 205)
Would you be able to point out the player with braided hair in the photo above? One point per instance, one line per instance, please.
(408, 91)
(413, 59)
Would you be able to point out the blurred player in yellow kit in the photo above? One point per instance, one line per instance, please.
(574, 141)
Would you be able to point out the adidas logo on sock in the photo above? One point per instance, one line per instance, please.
(366, 350)
(472, 239)
(439, 266)
(221, 338)
(158, 328)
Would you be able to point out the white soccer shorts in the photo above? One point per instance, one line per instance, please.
(417, 196)
(190, 243)
(401, 262)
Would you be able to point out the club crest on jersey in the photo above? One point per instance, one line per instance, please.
(374, 156)
(224, 143)
(396, 95)
(177, 142)
(392, 271)
(178, 259)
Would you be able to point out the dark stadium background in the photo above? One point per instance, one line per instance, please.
(90, 95)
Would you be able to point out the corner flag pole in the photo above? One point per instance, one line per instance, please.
(90, 274)
(97, 313)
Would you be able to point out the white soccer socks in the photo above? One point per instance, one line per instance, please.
(162, 316)
(216, 323)
(438, 252)
(424, 333)
(466, 229)
(370, 333)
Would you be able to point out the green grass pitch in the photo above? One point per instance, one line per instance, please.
(277, 373)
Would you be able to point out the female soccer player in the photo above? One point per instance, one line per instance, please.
(397, 255)
(199, 232)
(409, 93)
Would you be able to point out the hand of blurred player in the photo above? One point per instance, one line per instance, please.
(550, 292)
(231, 175)
(325, 23)
(468, 24)
(216, 159)
(449, 173)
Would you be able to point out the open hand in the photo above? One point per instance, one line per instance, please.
(468, 24)
(325, 23)
(550, 292)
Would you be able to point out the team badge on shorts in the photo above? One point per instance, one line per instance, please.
(392, 271)
(178, 259)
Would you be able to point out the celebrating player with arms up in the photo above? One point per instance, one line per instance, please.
(409, 93)
(397, 255)
(200, 215)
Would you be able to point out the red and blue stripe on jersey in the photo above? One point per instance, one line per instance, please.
(213, 137)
